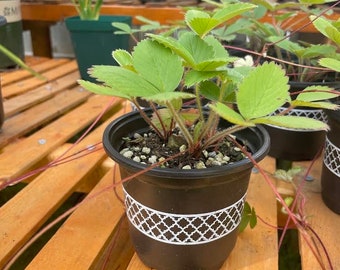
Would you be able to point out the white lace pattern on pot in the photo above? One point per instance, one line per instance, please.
(332, 157)
(184, 229)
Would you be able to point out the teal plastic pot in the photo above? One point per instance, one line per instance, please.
(94, 41)
(11, 32)
(183, 219)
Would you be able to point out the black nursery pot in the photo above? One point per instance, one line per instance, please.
(330, 177)
(183, 219)
(298, 145)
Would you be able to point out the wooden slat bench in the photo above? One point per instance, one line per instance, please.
(43, 119)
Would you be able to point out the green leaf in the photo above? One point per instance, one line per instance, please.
(210, 90)
(124, 81)
(287, 45)
(163, 98)
(319, 105)
(315, 93)
(102, 90)
(263, 91)
(330, 63)
(248, 217)
(195, 76)
(293, 122)
(326, 28)
(318, 50)
(175, 46)
(158, 65)
(124, 27)
(201, 22)
(230, 115)
(123, 58)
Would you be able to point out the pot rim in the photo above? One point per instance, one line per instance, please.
(259, 131)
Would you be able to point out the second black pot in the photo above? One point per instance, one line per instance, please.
(183, 219)
(330, 177)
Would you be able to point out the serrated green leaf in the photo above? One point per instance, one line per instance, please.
(163, 98)
(293, 122)
(102, 90)
(201, 22)
(219, 50)
(161, 68)
(127, 82)
(230, 115)
(316, 93)
(122, 57)
(260, 94)
(175, 46)
(330, 63)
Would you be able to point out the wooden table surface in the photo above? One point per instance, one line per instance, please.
(37, 143)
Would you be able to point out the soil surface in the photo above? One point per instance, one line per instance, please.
(149, 149)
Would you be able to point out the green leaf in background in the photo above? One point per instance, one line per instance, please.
(123, 27)
(319, 105)
(230, 115)
(318, 50)
(293, 122)
(315, 93)
(330, 63)
(287, 45)
(263, 91)
(201, 22)
(326, 28)
(161, 68)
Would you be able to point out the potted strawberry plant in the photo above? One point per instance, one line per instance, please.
(186, 169)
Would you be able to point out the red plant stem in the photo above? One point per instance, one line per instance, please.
(56, 162)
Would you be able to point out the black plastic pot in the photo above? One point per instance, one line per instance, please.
(298, 145)
(183, 219)
(330, 177)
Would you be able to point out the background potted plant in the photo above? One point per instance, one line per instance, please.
(300, 60)
(330, 177)
(11, 33)
(93, 35)
(15, 59)
(184, 197)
